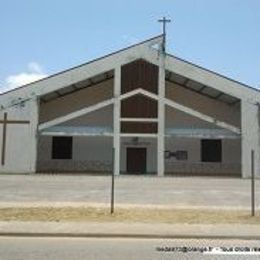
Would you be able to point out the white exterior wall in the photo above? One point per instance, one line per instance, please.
(93, 154)
(231, 157)
(89, 154)
(21, 139)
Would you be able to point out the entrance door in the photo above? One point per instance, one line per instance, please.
(136, 160)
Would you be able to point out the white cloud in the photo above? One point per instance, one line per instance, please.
(34, 66)
(34, 72)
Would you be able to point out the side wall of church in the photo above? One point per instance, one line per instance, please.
(89, 154)
(21, 143)
(231, 148)
(93, 154)
(217, 109)
(230, 164)
(75, 101)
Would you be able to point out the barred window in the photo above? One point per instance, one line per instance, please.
(61, 147)
(211, 150)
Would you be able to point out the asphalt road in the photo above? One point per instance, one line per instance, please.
(12, 248)
(144, 190)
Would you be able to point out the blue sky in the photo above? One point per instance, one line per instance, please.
(39, 38)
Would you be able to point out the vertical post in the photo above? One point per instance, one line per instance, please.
(35, 108)
(116, 132)
(252, 183)
(161, 116)
(4, 139)
(112, 183)
(117, 105)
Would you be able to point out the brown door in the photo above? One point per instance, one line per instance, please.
(136, 160)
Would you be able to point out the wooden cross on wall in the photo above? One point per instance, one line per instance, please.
(5, 122)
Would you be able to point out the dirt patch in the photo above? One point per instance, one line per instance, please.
(128, 215)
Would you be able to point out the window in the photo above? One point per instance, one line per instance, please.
(62, 147)
(211, 150)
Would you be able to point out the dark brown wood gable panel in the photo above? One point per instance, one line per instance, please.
(137, 127)
(139, 106)
(139, 74)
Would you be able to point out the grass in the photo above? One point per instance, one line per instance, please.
(184, 216)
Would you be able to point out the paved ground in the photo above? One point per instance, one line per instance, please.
(92, 248)
(144, 190)
(128, 229)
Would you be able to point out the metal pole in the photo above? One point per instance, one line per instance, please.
(112, 182)
(252, 183)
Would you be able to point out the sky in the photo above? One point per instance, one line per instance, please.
(40, 38)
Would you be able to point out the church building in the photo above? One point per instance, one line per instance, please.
(139, 110)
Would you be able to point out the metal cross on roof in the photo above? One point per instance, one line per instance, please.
(164, 21)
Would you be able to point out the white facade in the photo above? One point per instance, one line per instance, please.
(85, 102)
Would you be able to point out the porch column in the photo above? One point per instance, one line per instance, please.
(34, 110)
(116, 119)
(250, 138)
(161, 116)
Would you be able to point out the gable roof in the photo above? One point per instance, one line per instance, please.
(212, 80)
(109, 62)
(84, 64)
(216, 73)
(76, 74)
